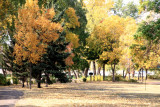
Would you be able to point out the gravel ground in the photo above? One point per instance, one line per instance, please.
(95, 94)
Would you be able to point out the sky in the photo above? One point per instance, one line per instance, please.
(126, 1)
(135, 1)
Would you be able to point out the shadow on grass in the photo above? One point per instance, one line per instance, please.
(8, 97)
(28, 106)
(6, 93)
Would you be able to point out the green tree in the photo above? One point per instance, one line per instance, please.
(149, 5)
(76, 34)
(125, 10)
(53, 62)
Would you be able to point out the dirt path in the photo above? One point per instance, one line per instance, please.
(8, 96)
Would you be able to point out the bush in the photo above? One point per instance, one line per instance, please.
(2, 80)
(43, 80)
(84, 79)
(8, 82)
(124, 80)
(53, 79)
(15, 81)
(153, 77)
(132, 80)
(8, 75)
(62, 77)
(117, 78)
(108, 78)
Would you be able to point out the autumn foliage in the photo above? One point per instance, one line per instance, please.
(34, 29)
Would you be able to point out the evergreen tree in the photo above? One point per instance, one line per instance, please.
(60, 7)
(53, 62)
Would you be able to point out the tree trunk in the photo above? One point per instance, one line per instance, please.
(142, 74)
(129, 72)
(123, 74)
(99, 70)
(27, 82)
(139, 74)
(39, 85)
(4, 72)
(75, 74)
(86, 72)
(126, 74)
(69, 73)
(113, 71)
(94, 69)
(103, 72)
(23, 80)
(46, 80)
(39, 80)
(78, 74)
(146, 73)
(133, 74)
(30, 75)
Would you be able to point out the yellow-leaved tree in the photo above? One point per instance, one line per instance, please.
(34, 29)
(6, 13)
(126, 41)
(98, 11)
(145, 55)
(71, 37)
(71, 23)
(112, 27)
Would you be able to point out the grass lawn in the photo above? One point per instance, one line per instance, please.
(95, 94)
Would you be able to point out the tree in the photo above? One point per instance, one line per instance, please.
(73, 14)
(149, 5)
(147, 38)
(34, 30)
(145, 48)
(8, 13)
(125, 10)
(126, 41)
(97, 11)
(109, 33)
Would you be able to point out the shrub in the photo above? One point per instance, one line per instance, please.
(15, 81)
(117, 78)
(132, 80)
(8, 82)
(2, 80)
(43, 80)
(124, 80)
(153, 77)
(84, 79)
(62, 77)
(108, 78)
(53, 81)
(8, 75)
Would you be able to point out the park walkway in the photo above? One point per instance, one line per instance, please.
(8, 96)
